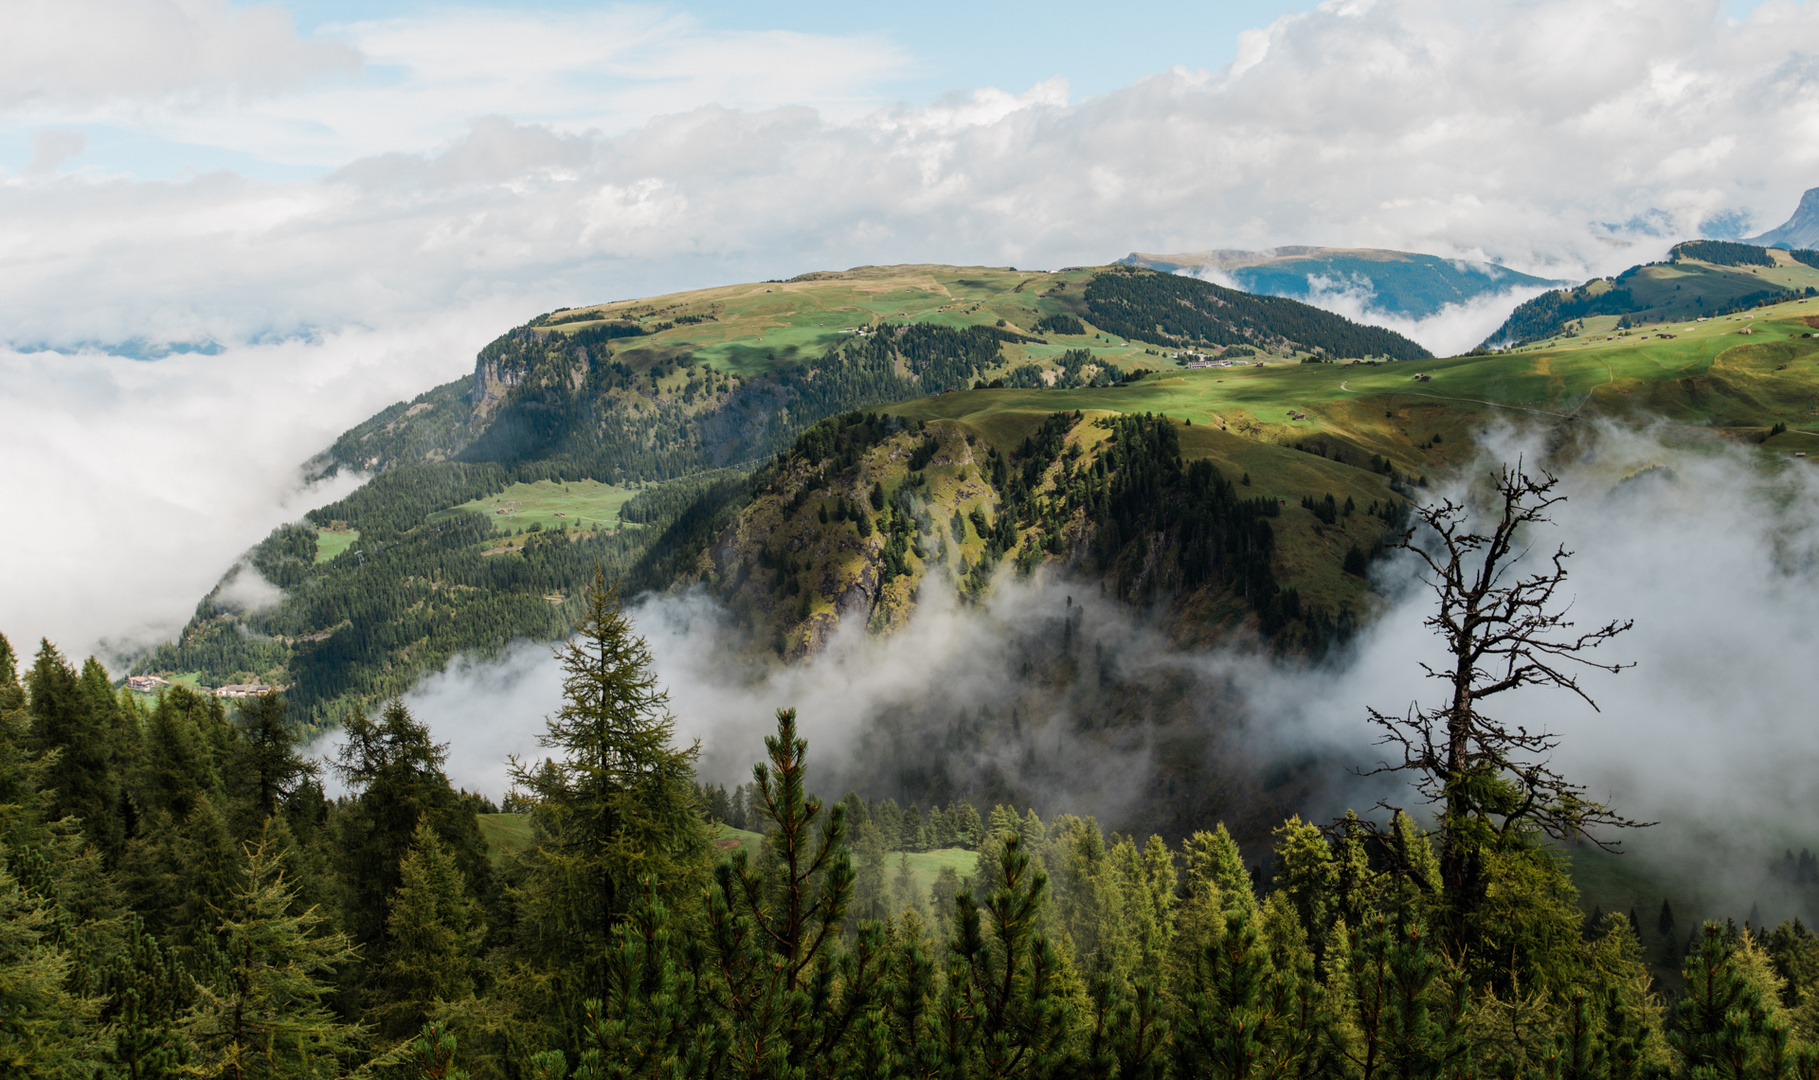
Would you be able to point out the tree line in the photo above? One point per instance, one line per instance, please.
(182, 899)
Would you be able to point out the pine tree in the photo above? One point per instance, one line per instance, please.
(1407, 1020)
(616, 803)
(144, 989)
(1725, 1026)
(1015, 1018)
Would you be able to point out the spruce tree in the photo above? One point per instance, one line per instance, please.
(176, 766)
(870, 898)
(904, 894)
(395, 768)
(12, 695)
(1308, 876)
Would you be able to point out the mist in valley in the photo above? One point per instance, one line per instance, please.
(1047, 695)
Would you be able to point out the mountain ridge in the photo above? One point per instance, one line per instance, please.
(1801, 230)
(1401, 283)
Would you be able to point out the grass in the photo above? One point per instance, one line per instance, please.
(506, 834)
(332, 542)
(509, 834)
(728, 840)
(752, 328)
(550, 504)
(925, 866)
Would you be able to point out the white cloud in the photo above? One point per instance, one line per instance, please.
(61, 54)
(411, 83)
(50, 149)
(132, 485)
(1454, 329)
(1404, 125)
(495, 164)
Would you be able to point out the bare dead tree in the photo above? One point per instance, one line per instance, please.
(1506, 626)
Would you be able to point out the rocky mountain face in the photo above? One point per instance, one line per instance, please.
(1799, 231)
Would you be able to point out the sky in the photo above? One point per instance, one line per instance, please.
(305, 212)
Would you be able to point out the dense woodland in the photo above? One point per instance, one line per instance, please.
(1171, 310)
(182, 899)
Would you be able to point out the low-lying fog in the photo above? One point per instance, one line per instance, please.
(1709, 549)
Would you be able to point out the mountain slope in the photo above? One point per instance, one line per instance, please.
(1394, 282)
(621, 433)
(1799, 231)
(1700, 279)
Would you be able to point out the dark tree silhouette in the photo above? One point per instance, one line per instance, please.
(1506, 626)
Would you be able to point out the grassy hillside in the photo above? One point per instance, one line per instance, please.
(413, 568)
(496, 496)
(1702, 278)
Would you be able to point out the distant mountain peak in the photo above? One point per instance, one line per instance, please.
(1800, 231)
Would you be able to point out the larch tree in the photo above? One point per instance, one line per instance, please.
(263, 1012)
(264, 763)
(615, 800)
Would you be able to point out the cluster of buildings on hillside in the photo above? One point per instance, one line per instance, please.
(151, 684)
(243, 690)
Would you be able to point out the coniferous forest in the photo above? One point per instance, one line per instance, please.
(182, 897)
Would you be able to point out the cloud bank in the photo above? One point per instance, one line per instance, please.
(133, 486)
(1500, 129)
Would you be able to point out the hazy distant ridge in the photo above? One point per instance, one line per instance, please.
(1401, 283)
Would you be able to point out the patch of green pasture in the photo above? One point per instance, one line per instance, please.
(926, 866)
(727, 840)
(550, 503)
(330, 543)
(505, 834)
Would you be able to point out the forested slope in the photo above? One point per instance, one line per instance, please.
(673, 401)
